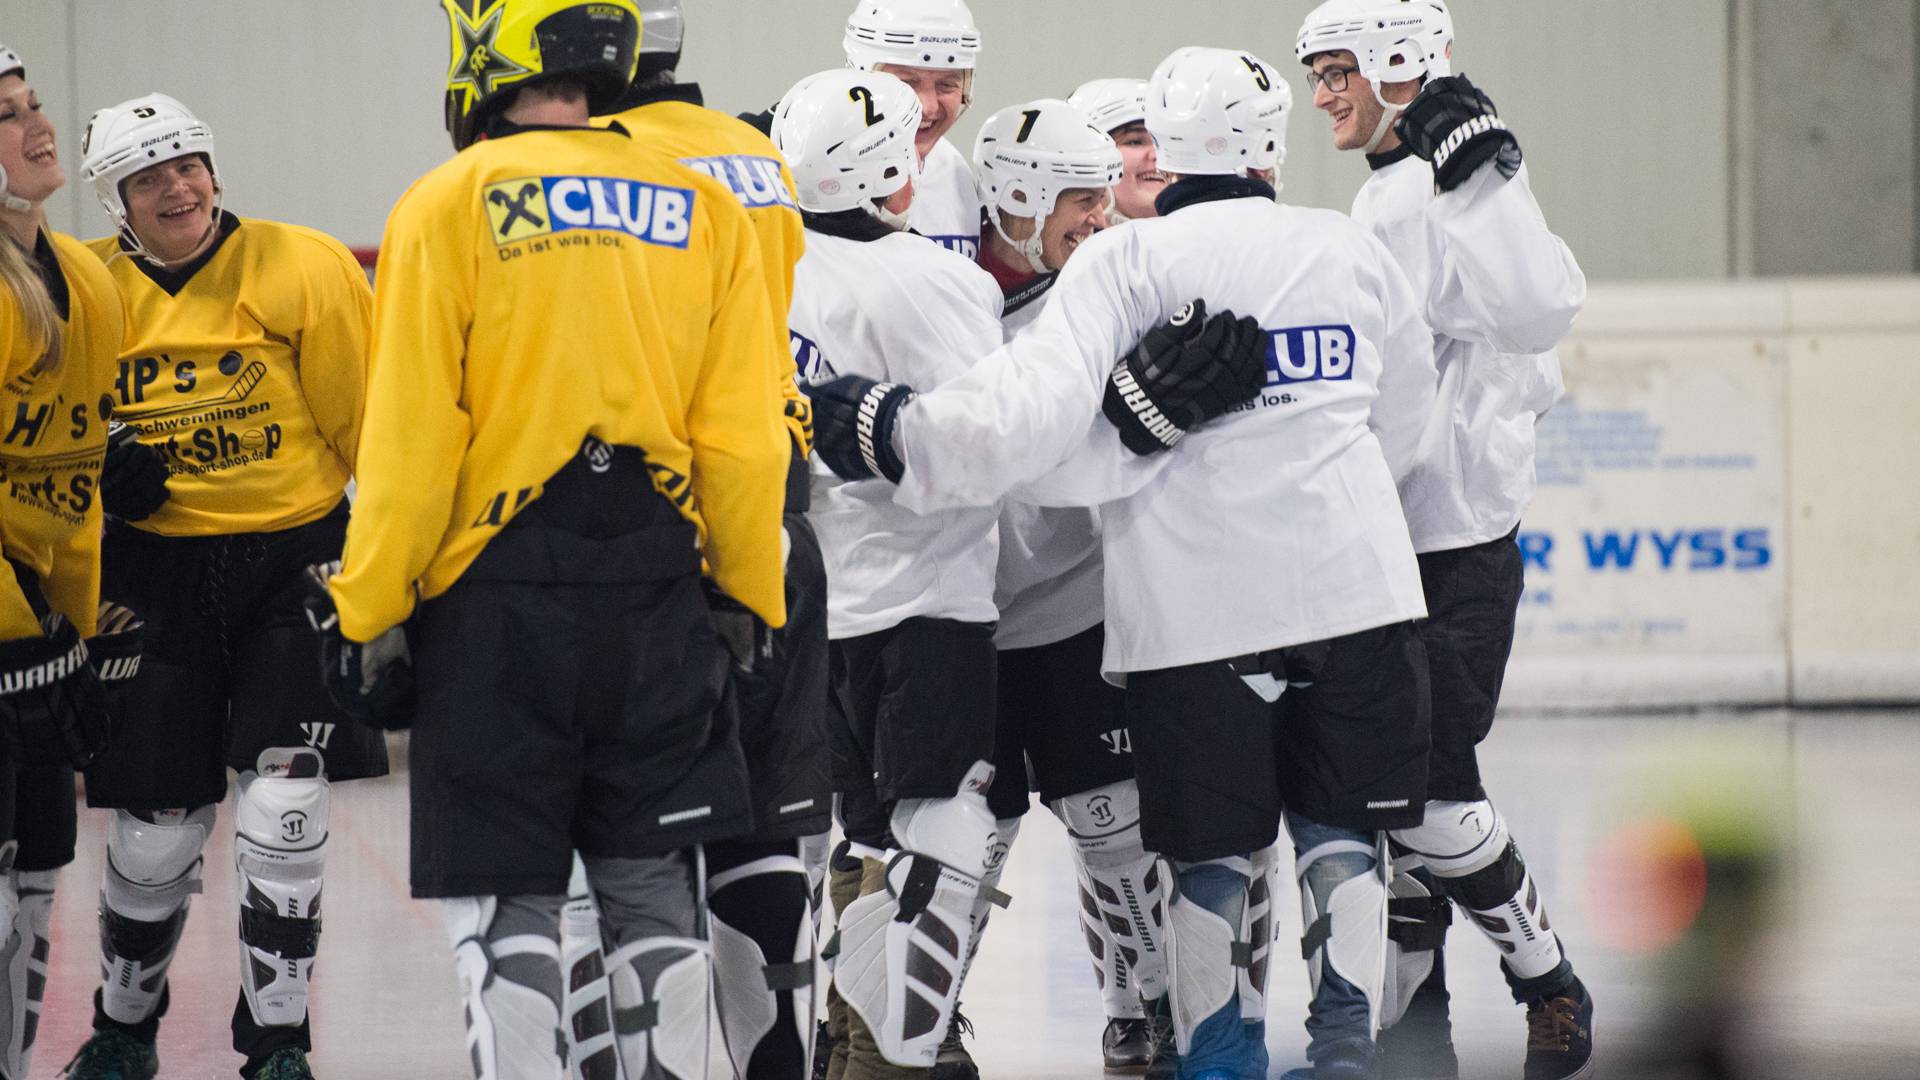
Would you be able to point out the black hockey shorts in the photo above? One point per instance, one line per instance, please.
(1062, 728)
(1473, 597)
(1218, 764)
(916, 704)
(568, 685)
(783, 704)
(230, 665)
(37, 805)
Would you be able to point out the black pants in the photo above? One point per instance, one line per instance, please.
(1062, 728)
(1473, 599)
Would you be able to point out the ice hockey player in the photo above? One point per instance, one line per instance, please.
(1220, 592)
(910, 598)
(932, 46)
(1119, 107)
(1048, 172)
(258, 421)
(551, 586)
(61, 326)
(1449, 197)
(760, 891)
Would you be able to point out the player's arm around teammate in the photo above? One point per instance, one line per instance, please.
(244, 371)
(572, 340)
(61, 326)
(1449, 196)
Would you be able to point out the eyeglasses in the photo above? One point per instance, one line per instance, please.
(1333, 78)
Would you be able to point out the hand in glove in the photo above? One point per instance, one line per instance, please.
(372, 681)
(133, 478)
(745, 636)
(116, 645)
(1182, 374)
(853, 426)
(1456, 128)
(51, 706)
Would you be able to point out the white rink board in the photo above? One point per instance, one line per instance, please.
(1654, 549)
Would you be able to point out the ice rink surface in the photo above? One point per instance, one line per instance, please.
(1830, 985)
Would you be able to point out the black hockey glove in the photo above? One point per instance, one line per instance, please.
(133, 478)
(372, 681)
(1183, 374)
(52, 709)
(1455, 127)
(747, 639)
(115, 647)
(853, 426)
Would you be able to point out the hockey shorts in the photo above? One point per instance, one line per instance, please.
(1473, 595)
(1062, 728)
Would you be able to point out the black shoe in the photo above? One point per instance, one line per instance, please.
(953, 1062)
(1164, 1061)
(1127, 1044)
(111, 1054)
(285, 1064)
(822, 1051)
(1560, 1036)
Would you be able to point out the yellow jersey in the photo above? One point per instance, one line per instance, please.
(247, 370)
(538, 288)
(673, 121)
(55, 437)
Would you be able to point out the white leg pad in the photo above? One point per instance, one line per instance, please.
(661, 1007)
(588, 1005)
(1406, 969)
(153, 870)
(747, 982)
(1455, 839)
(1123, 895)
(904, 949)
(26, 910)
(513, 1029)
(1350, 936)
(1207, 955)
(280, 853)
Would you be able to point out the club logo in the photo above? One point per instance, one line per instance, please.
(531, 207)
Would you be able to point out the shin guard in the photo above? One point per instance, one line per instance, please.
(587, 1007)
(1213, 948)
(1343, 907)
(1468, 848)
(1123, 895)
(764, 965)
(903, 949)
(153, 870)
(507, 952)
(26, 913)
(280, 851)
(1417, 921)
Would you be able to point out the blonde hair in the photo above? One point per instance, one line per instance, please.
(42, 319)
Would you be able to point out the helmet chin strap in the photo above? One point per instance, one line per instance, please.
(898, 222)
(9, 200)
(1387, 117)
(1030, 249)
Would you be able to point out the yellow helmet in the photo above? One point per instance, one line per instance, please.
(500, 46)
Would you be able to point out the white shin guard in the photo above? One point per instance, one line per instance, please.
(1468, 847)
(662, 1003)
(1220, 951)
(904, 949)
(153, 870)
(280, 852)
(1345, 918)
(1123, 895)
(26, 912)
(1417, 922)
(587, 1008)
(766, 900)
(510, 982)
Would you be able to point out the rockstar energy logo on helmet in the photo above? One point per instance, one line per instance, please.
(497, 45)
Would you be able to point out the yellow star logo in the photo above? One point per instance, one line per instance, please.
(479, 67)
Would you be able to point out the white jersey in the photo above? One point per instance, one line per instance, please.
(1048, 586)
(900, 309)
(1279, 523)
(946, 201)
(1500, 291)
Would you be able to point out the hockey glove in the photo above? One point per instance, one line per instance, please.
(133, 478)
(1455, 127)
(372, 681)
(746, 637)
(52, 709)
(115, 647)
(853, 426)
(1183, 374)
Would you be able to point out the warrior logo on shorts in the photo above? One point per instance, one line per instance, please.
(318, 734)
(1119, 741)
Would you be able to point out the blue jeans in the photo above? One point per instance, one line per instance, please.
(1339, 1013)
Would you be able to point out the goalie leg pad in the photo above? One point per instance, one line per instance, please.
(1210, 950)
(903, 949)
(280, 854)
(1343, 906)
(588, 1007)
(764, 961)
(659, 971)
(1470, 851)
(23, 966)
(1123, 895)
(507, 952)
(1417, 920)
(153, 870)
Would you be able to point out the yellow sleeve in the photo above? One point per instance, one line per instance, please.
(333, 347)
(781, 245)
(415, 432)
(740, 449)
(72, 587)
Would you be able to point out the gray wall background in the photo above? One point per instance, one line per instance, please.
(1666, 138)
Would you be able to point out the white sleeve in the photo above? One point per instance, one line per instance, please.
(1016, 414)
(1503, 278)
(1099, 470)
(1404, 409)
(930, 331)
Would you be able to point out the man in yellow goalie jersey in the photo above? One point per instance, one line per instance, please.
(572, 416)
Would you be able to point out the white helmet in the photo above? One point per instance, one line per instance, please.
(663, 27)
(11, 64)
(912, 33)
(1026, 155)
(1112, 103)
(1391, 40)
(1213, 111)
(123, 139)
(1272, 154)
(848, 137)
